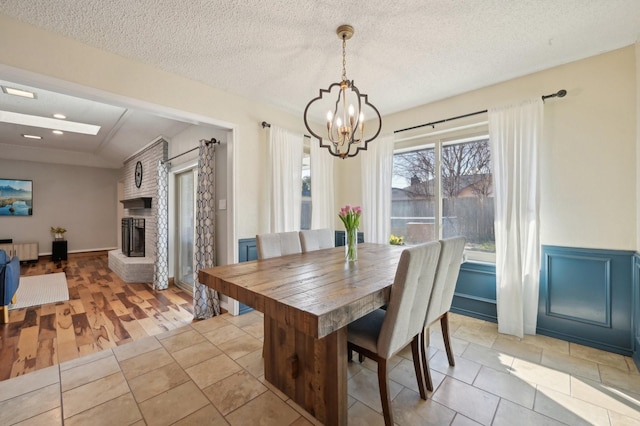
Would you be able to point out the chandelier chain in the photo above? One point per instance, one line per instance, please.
(344, 58)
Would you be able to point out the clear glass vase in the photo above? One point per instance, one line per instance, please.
(351, 245)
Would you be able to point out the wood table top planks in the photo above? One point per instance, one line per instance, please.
(316, 292)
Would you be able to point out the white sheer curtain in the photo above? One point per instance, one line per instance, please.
(285, 179)
(323, 210)
(377, 172)
(515, 132)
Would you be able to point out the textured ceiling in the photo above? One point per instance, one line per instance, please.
(403, 53)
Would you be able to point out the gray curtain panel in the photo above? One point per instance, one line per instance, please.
(161, 276)
(206, 302)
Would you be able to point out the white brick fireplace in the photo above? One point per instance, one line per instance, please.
(140, 269)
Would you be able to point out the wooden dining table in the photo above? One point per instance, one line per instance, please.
(308, 299)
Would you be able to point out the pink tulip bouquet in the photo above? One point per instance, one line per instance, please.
(350, 216)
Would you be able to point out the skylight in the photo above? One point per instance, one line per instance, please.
(18, 92)
(48, 123)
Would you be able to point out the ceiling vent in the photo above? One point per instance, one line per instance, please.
(137, 203)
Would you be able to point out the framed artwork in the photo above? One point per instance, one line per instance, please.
(16, 197)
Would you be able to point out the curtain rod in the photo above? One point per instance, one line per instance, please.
(265, 124)
(207, 142)
(559, 94)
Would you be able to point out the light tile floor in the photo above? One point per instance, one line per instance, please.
(210, 372)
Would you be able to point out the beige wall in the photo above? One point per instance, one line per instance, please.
(588, 157)
(184, 142)
(637, 51)
(80, 199)
(103, 74)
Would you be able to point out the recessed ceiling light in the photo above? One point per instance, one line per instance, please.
(31, 136)
(48, 123)
(58, 132)
(18, 92)
(60, 116)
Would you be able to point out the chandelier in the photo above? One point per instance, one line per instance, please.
(346, 112)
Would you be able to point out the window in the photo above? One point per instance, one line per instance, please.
(305, 214)
(443, 189)
(186, 185)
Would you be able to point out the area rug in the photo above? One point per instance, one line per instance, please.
(41, 289)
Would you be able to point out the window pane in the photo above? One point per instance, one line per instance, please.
(185, 228)
(464, 183)
(413, 196)
(305, 214)
(467, 198)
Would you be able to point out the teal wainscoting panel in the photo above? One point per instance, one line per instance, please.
(636, 309)
(585, 297)
(475, 293)
(247, 250)
(340, 238)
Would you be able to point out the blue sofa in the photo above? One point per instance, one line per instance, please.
(9, 281)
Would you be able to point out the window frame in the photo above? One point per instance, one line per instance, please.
(438, 140)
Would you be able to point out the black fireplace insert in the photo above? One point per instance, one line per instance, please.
(133, 237)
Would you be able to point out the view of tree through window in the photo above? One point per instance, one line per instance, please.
(466, 201)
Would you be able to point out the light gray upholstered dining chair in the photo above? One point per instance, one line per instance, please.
(451, 256)
(316, 239)
(382, 333)
(278, 244)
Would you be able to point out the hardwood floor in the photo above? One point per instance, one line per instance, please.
(102, 312)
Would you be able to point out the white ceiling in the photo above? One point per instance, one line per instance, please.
(280, 52)
(123, 131)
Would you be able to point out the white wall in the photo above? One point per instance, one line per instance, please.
(80, 199)
(588, 157)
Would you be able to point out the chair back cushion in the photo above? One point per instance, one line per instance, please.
(3, 257)
(409, 298)
(446, 278)
(278, 244)
(316, 239)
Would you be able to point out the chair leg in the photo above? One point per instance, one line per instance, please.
(425, 361)
(383, 382)
(415, 350)
(444, 324)
(350, 354)
(5, 314)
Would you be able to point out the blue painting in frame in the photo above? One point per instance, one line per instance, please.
(16, 197)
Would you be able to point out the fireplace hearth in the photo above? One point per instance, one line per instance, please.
(133, 237)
